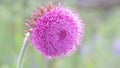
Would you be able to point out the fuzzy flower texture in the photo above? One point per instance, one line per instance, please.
(56, 30)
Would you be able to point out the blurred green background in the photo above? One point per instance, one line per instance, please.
(100, 47)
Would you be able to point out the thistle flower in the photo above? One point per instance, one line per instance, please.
(56, 30)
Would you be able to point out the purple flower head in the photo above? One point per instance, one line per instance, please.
(56, 30)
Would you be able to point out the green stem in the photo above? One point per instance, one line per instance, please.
(49, 63)
(23, 50)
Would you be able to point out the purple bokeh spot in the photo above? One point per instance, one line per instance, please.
(116, 46)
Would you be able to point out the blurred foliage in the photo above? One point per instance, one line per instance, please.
(98, 47)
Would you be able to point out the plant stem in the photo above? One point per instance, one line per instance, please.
(49, 63)
(23, 50)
